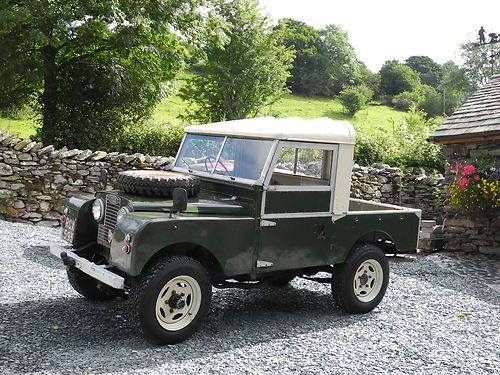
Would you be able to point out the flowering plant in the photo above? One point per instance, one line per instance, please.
(475, 191)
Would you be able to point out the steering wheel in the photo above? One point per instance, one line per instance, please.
(211, 159)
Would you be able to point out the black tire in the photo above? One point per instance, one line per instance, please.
(157, 183)
(152, 287)
(87, 286)
(370, 288)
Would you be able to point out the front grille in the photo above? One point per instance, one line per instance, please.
(68, 229)
(113, 204)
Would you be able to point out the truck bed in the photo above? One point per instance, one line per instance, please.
(360, 206)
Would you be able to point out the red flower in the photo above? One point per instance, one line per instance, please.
(456, 168)
(463, 181)
(477, 178)
(468, 169)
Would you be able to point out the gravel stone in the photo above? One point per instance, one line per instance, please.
(431, 321)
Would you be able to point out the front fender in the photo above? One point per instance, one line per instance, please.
(80, 213)
(231, 240)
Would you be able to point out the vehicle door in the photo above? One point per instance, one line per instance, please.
(296, 213)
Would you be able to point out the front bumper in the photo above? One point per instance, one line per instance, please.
(96, 271)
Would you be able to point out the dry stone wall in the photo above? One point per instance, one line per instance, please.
(410, 187)
(36, 179)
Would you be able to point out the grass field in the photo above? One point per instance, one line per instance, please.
(23, 128)
(373, 116)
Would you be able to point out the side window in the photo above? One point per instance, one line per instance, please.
(302, 167)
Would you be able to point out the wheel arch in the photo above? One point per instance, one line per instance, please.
(379, 238)
(191, 250)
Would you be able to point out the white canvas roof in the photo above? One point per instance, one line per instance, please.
(322, 130)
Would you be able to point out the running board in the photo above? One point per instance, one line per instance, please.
(324, 280)
(238, 284)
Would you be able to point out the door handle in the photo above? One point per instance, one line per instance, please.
(320, 231)
(267, 223)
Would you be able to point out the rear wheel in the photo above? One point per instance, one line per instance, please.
(88, 287)
(359, 284)
(171, 300)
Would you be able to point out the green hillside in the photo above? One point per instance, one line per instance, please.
(168, 110)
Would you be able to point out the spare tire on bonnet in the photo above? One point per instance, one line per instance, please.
(157, 183)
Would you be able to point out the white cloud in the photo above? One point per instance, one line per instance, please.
(391, 29)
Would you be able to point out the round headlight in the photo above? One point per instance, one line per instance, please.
(98, 209)
(65, 210)
(122, 212)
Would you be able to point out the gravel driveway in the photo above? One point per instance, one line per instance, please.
(431, 321)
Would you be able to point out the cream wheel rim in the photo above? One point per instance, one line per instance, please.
(178, 303)
(368, 280)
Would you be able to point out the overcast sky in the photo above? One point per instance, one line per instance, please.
(381, 30)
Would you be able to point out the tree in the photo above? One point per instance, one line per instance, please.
(92, 67)
(430, 72)
(396, 78)
(309, 68)
(342, 65)
(478, 62)
(241, 72)
(455, 87)
(368, 78)
(325, 62)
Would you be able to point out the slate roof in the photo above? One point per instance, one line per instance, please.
(477, 117)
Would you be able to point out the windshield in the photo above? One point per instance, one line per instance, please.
(233, 157)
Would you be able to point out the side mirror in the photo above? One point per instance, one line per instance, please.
(179, 196)
(103, 179)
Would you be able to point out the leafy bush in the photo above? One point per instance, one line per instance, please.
(432, 102)
(423, 97)
(407, 100)
(386, 100)
(475, 192)
(405, 146)
(396, 78)
(355, 98)
(371, 148)
(13, 111)
(366, 91)
(152, 140)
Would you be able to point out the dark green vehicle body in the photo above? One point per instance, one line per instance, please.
(222, 226)
(245, 229)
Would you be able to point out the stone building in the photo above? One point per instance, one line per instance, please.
(472, 131)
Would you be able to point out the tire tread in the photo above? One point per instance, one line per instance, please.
(341, 282)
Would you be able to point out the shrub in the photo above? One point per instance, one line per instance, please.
(371, 148)
(396, 78)
(405, 146)
(355, 98)
(411, 146)
(407, 100)
(432, 102)
(423, 97)
(148, 139)
(475, 192)
(386, 100)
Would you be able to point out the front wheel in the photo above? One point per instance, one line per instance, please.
(359, 284)
(88, 287)
(171, 300)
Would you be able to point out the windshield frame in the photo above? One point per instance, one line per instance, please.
(215, 176)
